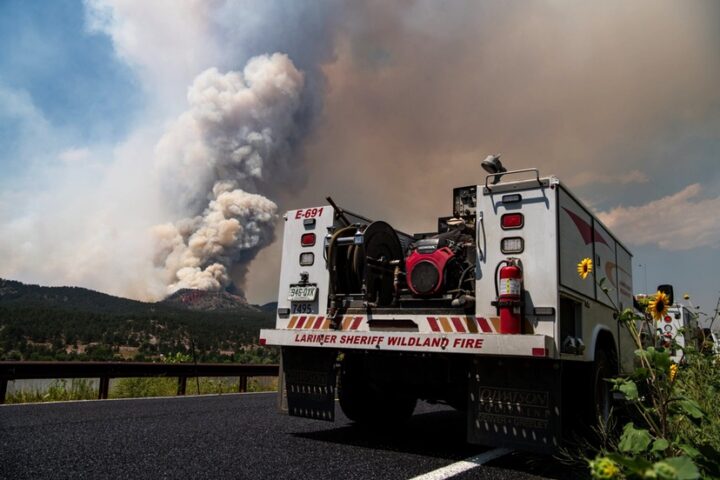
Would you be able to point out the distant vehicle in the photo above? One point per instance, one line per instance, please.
(487, 314)
(681, 325)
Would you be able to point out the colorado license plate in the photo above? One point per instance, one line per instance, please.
(305, 293)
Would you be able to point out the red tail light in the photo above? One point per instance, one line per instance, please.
(510, 221)
(668, 319)
(307, 239)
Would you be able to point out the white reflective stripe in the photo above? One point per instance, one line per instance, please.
(489, 344)
(463, 465)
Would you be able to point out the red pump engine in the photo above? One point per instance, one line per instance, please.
(426, 271)
(439, 264)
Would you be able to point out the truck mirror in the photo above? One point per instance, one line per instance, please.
(667, 290)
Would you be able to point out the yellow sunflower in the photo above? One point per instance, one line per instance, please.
(604, 468)
(584, 268)
(658, 307)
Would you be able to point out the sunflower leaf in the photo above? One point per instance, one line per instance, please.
(660, 445)
(684, 468)
(634, 440)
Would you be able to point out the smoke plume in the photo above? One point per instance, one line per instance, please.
(385, 105)
(236, 134)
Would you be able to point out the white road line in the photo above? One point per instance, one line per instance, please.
(463, 465)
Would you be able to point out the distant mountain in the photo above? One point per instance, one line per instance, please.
(200, 300)
(13, 293)
(269, 307)
(17, 294)
(72, 323)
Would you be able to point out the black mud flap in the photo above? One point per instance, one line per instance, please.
(310, 380)
(515, 403)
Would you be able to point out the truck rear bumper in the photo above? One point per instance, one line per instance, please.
(485, 344)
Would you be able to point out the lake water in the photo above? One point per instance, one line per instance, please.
(41, 384)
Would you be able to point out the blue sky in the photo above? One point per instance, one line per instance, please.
(51, 63)
(620, 101)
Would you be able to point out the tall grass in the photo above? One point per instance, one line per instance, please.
(59, 390)
(158, 387)
(85, 389)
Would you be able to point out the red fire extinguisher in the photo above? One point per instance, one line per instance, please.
(509, 295)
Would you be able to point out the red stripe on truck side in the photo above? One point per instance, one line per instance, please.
(356, 323)
(484, 325)
(433, 324)
(459, 327)
(300, 322)
(318, 322)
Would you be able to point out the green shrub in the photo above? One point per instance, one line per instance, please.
(674, 433)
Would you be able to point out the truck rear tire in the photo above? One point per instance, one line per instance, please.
(367, 403)
(602, 389)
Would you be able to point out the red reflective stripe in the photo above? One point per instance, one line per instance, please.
(300, 322)
(262, 341)
(356, 323)
(458, 325)
(433, 324)
(318, 322)
(539, 352)
(484, 325)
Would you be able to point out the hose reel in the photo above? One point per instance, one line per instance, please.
(362, 260)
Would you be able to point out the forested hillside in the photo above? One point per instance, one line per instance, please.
(71, 323)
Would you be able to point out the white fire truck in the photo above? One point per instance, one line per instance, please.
(487, 314)
(679, 329)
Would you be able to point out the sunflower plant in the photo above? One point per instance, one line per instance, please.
(664, 440)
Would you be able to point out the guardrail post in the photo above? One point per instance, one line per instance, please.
(3, 389)
(242, 384)
(104, 388)
(182, 385)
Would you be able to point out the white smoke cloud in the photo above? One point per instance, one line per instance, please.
(238, 127)
(167, 43)
(681, 221)
(132, 217)
(235, 135)
(171, 211)
(196, 253)
(603, 178)
(185, 199)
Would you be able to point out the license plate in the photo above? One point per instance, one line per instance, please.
(305, 293)
(302, 307)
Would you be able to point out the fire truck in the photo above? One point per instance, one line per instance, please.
(677, 330)
(488, 314)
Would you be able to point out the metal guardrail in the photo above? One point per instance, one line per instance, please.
(107, 370)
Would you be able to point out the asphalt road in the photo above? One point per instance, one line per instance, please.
(235, 436)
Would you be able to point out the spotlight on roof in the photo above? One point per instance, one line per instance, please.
(493, 165)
